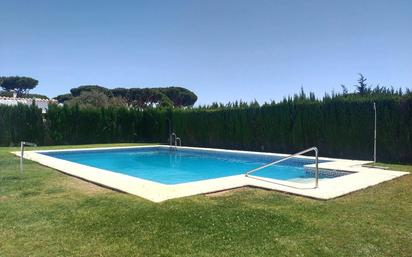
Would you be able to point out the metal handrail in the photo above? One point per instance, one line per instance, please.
(173, 143)
(22, 145)
(289, 157)
(171, 138)
(180, 141)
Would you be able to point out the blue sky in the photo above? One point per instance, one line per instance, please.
(222, 50)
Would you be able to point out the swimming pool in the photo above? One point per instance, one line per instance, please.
(160, 173)
(170, 167)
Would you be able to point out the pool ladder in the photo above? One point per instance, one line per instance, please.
(315, 149)
(176, 139)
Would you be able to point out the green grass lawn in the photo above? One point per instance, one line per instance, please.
(46, 213)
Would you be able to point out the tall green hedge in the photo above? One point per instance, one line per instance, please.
(21, 123)
(340, 127)
(71, 125)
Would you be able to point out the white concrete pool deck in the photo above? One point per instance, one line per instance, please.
(360, 178)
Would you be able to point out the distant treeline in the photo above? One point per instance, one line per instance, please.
(340, 125)
(97, 96)
(94, 96)
(10, 94)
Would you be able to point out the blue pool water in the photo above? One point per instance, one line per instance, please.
(173, 167)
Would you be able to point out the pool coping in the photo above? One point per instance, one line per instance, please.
(360, 177)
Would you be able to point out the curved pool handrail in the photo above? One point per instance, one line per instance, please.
(315, 149)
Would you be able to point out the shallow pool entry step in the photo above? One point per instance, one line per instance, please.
(324, 173)
(157, 173)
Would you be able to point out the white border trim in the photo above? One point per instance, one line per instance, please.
(362, 177)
